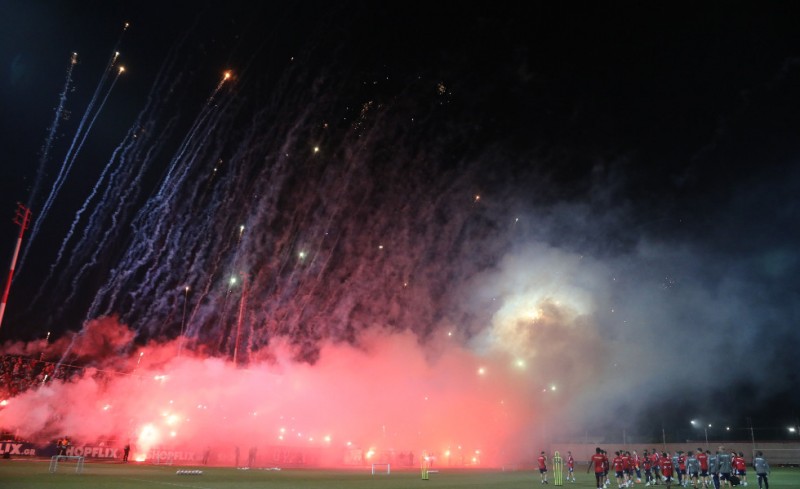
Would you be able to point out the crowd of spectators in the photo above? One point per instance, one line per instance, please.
(19, 374)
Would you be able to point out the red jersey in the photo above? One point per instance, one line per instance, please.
(703, 459)
(599, 460)
(655, 458)
(739, 463)
(666, 466)
(682, 462)
(542, 462)
(617, 463)
(570, 462)
(626, 462)
(646, 463)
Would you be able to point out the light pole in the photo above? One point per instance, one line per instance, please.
(242, 304)
(183, 319)
(705, 429)
(21, 219)
(231, 283)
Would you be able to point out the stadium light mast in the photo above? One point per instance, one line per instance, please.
(183, 318)
(242, 304)
(22, 218)
(705, 429)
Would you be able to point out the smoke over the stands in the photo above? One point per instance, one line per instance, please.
(391, 392)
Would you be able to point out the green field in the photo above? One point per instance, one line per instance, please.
(18, 474)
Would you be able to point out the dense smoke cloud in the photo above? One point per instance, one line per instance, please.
(384, 395)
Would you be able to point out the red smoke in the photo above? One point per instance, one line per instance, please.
(389, 394)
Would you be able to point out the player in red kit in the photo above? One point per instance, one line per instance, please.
(543, 467)
(665, 463)
(655, 460)
(598, 461)
(702, 457)
(647, 466)
(617, 464)
(636, 462)
(741, 467)
(681, 467)
(627, 468)
(570, 467)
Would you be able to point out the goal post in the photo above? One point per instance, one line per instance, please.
(379, 468)
(76, 458)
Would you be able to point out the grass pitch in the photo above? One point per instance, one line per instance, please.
(19, 474)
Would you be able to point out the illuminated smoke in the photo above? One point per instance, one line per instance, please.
(384, 395)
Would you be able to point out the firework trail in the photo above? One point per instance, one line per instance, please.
(163, 204)
(97, 246)
(207, 111)
(124, 198)
(184, 238)
(225, 77)
(190, 227)
(146, 229)
(130, 161)
(51, 132)
(88, 200)
(143, 142)
(240, 165)
(72, 152)
(139, 136)
(159, 204)
(58, 184)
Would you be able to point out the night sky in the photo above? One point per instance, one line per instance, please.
(606, 193)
